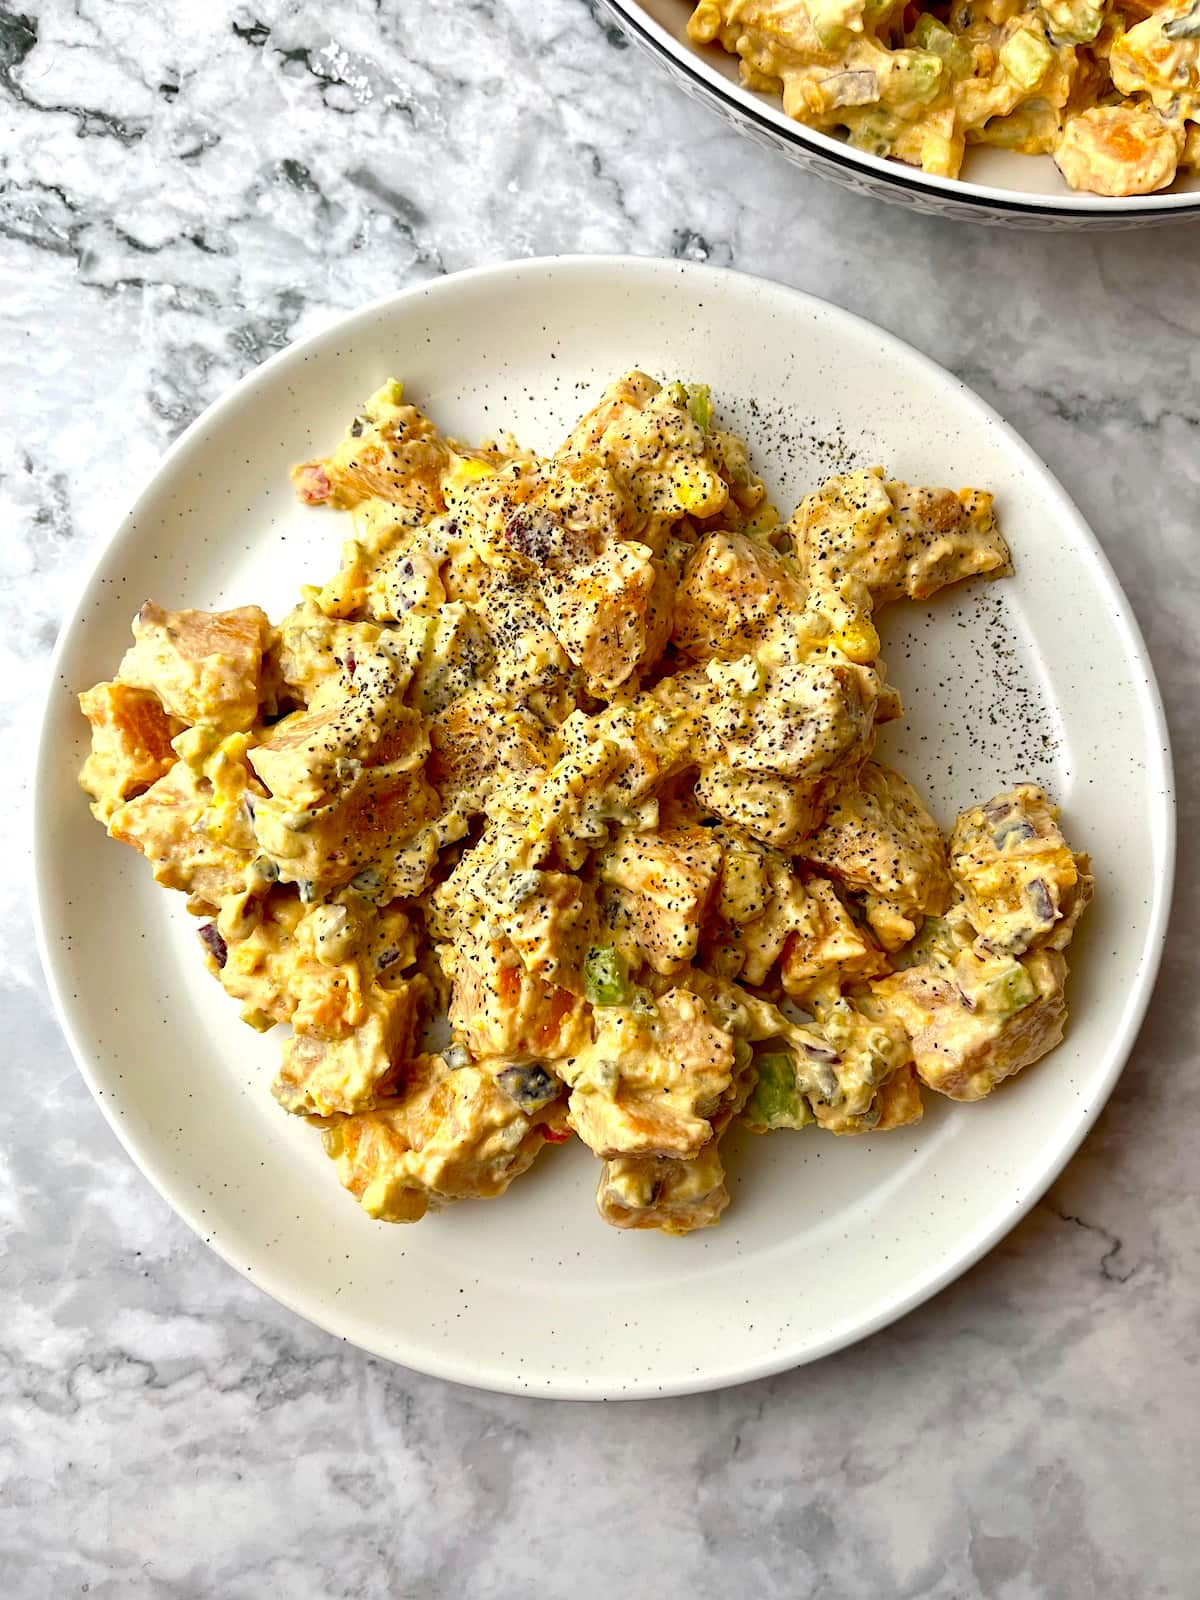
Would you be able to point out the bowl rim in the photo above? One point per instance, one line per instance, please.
(305, 1303)
(771, 119)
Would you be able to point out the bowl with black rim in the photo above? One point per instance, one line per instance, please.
(997, 186)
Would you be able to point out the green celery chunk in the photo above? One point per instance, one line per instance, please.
(700, 405)
(1027, 58)
(605, 981)
(1072, 21)
(385, 399)
(916, 76)
(776, 1101)
(933, 944)
(1006, 989)
(830, 36)
(696, 400)
(956, 54)
(875, 130)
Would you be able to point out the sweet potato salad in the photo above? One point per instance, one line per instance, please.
(554, 814)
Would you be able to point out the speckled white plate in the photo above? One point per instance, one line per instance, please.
(1044, 675)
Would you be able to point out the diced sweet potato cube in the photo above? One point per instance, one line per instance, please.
(446, 1136)
(131, 744)
(651, 1083)
(896, 539)
(879, 840)
(501, 1009)
(336, 1074)
(612, 615)
(659, 1192)
(963, 1047)
(732, 587)
(166, 825)
(1021, 884)
(204, 666)
(664, 882)
(827, 947)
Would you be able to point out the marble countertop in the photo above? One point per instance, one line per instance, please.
(183, 190)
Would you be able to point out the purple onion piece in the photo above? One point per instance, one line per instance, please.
(1039, 899)
(211, 939)
(820, 1052)
(850, 89)
(1016, 831)
(530, 1087)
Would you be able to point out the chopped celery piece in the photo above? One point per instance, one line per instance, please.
(926, 29)
(830, 34)
(700, 405)
(1005, 989)
(1072, 22)
(835, 22)
(776, 1101)
(695, 399)
(934, 943)
(874, 131)
(917, 75)
(956, 54)
(605, 981)
(1026, 57)
(386, 398)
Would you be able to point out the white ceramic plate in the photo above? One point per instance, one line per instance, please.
(997, 186)
(1044, 675)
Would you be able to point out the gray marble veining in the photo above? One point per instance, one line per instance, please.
(184, 189)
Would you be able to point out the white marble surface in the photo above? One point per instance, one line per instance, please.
(183, 189)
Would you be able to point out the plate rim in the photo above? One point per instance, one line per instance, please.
(980, 197)
(459, 1369)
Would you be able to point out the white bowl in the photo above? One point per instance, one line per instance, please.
(826, 1239)
(998, 186)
